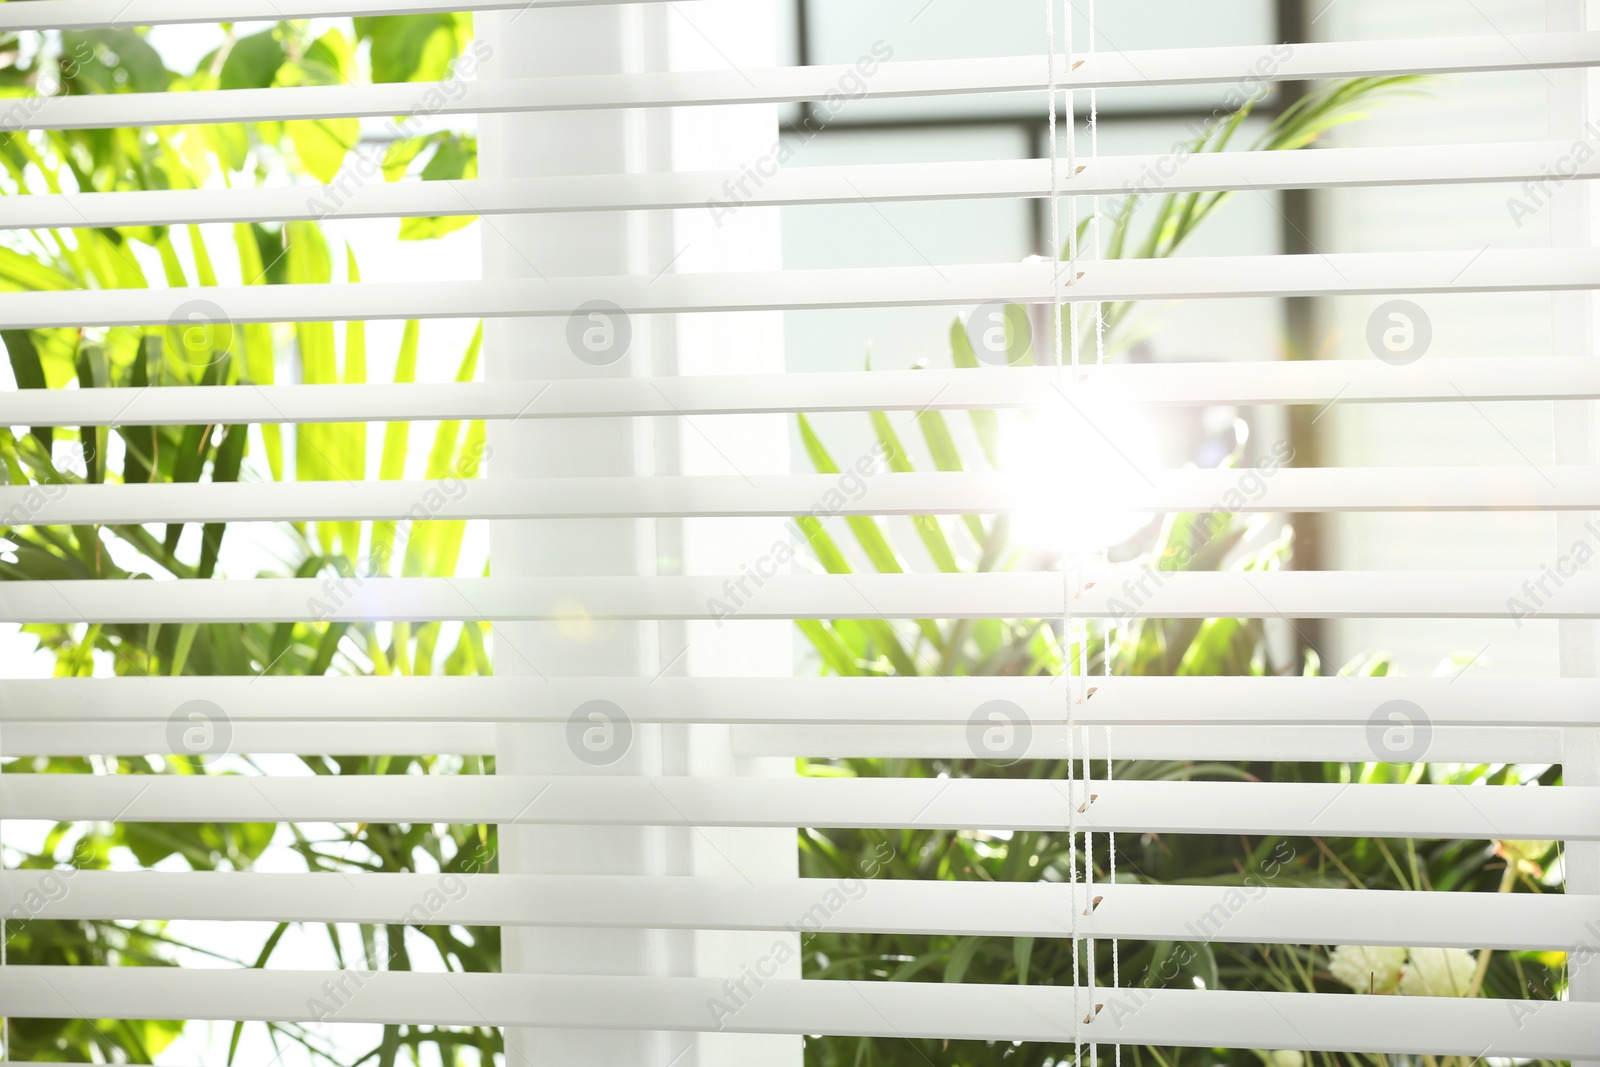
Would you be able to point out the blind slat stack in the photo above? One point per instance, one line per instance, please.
(1489, 720)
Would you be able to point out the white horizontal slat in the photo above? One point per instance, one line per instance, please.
(1273, 382)
(704, 496)
(926, 286)
(1183, 1017)
(328, 737)
(874, 183)
(917, 78)
(332, 737)
(1281, 743)
(1250, 912)
(1019, 282)
(92, 14)
(1252, 703)
(1120, 594)
(1288, 808)
(712, 496)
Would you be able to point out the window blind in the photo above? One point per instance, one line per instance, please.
(1083, 720)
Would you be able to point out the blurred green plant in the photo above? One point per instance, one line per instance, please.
(211, 351)
(1026, 647)
(421, 48)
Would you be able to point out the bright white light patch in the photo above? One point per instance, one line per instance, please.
(1081, 466)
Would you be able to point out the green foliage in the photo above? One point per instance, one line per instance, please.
(454, 157)
(1140, 647)
(420, 48)
(206, 846)
(1173, 217)
(212, 353)
(414, 48)
(391, 48)
(253, 62)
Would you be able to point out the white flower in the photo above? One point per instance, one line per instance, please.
(1367, 969)
(1287, 1057)
(1525, 855)
(1438, 972)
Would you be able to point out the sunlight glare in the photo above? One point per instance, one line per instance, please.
(1081, 467)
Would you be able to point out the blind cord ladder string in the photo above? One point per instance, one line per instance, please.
(1063, 381)
(1186, 712)
(1095, 252)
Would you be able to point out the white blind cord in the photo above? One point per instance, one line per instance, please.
(1088, 848)
(1055, 186)
(1095, 246)
(1105, 650)
(1097, 250)
(1069, 569)
(1058, 353)
(1111, 875)
(1080, 666)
